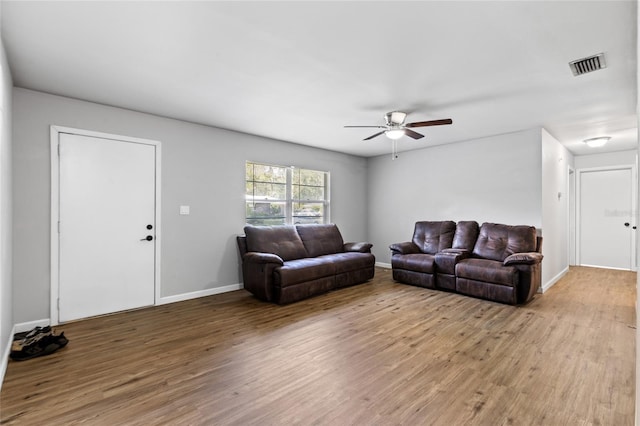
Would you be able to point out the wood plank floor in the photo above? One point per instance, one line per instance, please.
(375, 354)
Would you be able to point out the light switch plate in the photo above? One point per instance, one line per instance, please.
(184, 210)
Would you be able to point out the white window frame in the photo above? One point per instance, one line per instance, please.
(289, 201)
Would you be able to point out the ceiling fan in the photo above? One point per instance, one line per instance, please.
(395, 127)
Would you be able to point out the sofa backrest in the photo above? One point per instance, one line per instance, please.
(466, 235)
(432, 237)
(282, 240)
(321, 239)
(242, 244)
(497, 241)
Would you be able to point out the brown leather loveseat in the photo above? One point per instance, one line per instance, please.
(284, 264)
(495, 261)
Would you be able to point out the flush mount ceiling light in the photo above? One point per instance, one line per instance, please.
(596, 142)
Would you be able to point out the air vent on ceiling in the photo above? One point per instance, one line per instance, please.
(590, 64)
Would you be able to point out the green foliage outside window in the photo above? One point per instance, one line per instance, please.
(277, 195)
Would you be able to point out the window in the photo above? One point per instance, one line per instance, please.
(279, 195)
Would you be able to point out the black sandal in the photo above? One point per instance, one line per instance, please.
(32, 333)
(48, 344)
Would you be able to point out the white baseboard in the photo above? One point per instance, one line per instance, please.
(5, 356)
(605, 267)
(17, 328)
(200, 293)
(27, 326)
(546, 286)
(383, 265)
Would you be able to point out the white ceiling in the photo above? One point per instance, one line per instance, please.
(300, 71)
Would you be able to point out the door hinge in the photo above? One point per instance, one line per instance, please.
(58, 150)
(58, 227)
(58, 303)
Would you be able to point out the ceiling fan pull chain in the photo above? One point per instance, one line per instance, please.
(394, 149)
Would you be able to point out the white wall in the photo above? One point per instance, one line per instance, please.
(202, 167)
(556, 160)
(6, 297)
(492, 179)
(620, 158)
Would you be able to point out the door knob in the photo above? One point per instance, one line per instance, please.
(149, 226)
(626, 224)
(147, 238)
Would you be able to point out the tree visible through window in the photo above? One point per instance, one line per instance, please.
(278, 195)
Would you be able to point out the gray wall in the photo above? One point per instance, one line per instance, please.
(505, 178)
(492, 179)
(202, 167)
(6, 298)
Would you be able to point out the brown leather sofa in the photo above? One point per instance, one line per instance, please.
(284, 264)
(494, 261)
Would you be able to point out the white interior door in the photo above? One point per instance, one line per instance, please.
(107, 226)
(606, 218)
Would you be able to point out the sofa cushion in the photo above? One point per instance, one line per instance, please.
(491, 271)
(497, 241)
(466, 235)
(321, 239)
(301, 270)
(281, 240)
(414, 262)
(350, 261)
(432, 237)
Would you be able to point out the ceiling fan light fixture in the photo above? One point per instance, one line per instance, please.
(394, 133)
(596, 142)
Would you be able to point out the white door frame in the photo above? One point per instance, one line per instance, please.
(633, 222)
(572, 206)
(55, 208)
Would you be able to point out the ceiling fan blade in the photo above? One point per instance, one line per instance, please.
(372, 127)
(430, 123)
(373, 136)
(413, 134)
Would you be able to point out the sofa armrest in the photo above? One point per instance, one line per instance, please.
(531, 258)
(358, 247)
(447, 259)
(255, 257)
(257, 273)
(404, 248)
